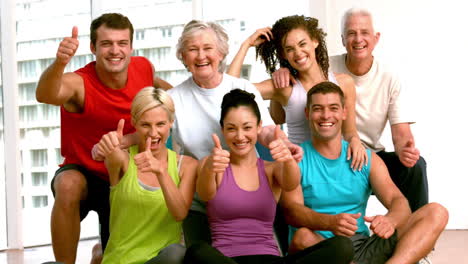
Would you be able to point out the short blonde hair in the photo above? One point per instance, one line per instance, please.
(149, 98)
(196, 26)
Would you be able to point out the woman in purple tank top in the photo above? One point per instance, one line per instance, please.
(242, 191)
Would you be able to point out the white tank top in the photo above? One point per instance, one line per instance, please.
(298, 125)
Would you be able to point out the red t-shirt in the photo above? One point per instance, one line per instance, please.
(102, 110)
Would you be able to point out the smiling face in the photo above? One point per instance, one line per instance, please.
(325, 114)
(241, 129)
(154, 123)
(113, 49)
(359, 37)
(299, 49)
(202, 57)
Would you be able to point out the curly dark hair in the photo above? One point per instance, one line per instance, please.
(271, 52)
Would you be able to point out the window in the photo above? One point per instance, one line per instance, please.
(245, 73)
(28, 113)
(51, 113)
(140, 35)
(27, 92)
(39, 157)
(39, 201)
(39, 178)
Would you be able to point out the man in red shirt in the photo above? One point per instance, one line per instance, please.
(92, 100)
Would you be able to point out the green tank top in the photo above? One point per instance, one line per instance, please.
(140, 224)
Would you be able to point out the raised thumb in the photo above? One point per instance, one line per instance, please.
(148, 144)
(278, 132)
(120, 127)
(216, 141)
(75, 32)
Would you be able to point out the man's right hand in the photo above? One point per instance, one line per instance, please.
(283, 78)
(345, 224)
(68, 47)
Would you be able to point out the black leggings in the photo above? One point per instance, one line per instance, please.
(334, 250)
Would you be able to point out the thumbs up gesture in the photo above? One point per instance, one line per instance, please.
(109, 142)
(68, 47)
(409, 154)
(146, 162)
(278, 148)
(219, 158)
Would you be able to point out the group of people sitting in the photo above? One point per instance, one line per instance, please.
(211, 190)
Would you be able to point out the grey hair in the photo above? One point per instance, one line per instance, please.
(351, 12)
(195, 26)
(149, 98)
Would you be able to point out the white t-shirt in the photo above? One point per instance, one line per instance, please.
(198, 110)
(379, 97)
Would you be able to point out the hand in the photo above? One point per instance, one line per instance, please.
(108, 143)
(296, 151)
(219, 158)
(345, 224)
(282, 78)
(381, 225)
(146, 162)
(278, 149)
(259, 36)
(358, 152)
(409, 154)
(68, 47)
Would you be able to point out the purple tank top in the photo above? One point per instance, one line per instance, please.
(241, 222)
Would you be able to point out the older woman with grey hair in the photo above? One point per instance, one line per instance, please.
(203, 48)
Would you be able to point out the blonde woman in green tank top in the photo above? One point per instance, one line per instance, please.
(151, 186)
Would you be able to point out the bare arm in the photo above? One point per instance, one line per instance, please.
(403, 142)
(160, 83)
(389, 195)
(211, 168)
(259, 36)
(176, 203)
(55, 87)
(299, 215)
(179, 199)
(188, 175)
(268, 135)
(355, 150)
(286, 171)
(277, 112)
(115, 159)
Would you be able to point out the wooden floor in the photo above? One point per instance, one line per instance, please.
(451, 248)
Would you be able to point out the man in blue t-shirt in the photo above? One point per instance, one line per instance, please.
(332, 197)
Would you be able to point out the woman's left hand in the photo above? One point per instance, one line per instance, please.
(358, 152)
(146, 162)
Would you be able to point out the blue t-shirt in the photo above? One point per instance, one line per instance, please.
(332, 187)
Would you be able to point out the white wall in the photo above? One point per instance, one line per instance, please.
(426, 42)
